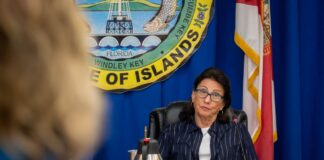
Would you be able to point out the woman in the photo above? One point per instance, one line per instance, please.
(205, 131)
(48, 108)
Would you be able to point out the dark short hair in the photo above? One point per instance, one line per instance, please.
(220, 77)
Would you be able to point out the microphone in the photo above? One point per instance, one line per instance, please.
(235, 120)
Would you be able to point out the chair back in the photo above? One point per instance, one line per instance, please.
(161, 117)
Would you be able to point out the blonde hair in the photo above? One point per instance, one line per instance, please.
(47, 104)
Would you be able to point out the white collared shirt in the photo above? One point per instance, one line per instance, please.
(204, 149)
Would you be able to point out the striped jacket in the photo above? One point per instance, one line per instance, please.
(181, 141)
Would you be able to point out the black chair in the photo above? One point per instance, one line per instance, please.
(161, 117)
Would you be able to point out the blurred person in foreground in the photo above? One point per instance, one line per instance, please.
(206, 131)
(48, 108)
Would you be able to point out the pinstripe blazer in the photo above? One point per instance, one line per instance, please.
(229, 141)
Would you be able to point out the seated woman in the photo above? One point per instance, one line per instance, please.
(204, 131)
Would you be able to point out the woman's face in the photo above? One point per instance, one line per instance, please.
(208, 106)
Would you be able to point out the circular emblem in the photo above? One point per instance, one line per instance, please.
(135, 43)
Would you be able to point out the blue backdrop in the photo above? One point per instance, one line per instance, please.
(297, 29)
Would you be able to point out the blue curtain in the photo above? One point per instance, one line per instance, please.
(297, 29)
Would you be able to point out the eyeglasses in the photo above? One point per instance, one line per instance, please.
(214, 96)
